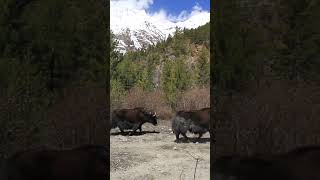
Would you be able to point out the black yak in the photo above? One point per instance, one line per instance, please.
(196, 121)
(132, 119)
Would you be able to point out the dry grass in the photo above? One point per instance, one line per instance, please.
(195, 98)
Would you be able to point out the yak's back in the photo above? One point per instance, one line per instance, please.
(197, 117)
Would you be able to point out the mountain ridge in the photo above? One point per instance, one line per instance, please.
(135, 29)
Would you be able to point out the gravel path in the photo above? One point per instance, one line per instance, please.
(153, 154)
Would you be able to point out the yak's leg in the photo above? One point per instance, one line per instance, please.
(121, 130)
(177, 136)
(200, 135)
(140, 128)
(135, 127)
(185, 136)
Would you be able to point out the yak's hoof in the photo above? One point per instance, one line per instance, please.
(131, 133)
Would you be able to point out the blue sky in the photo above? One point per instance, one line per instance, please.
(169, 10)
(175, 7)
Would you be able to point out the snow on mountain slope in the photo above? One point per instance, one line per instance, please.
(135, 28)
(195, 21)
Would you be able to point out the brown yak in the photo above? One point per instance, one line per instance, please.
(132, 119)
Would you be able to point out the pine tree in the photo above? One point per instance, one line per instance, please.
(169, 81)
(127, 72)
(203, 68)
(183, 75)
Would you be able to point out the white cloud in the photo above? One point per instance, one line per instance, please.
(197, 7)
(133, 14)
(143, 5)
(185, 15)
(161, 14)
(181, 17)
(135, 4)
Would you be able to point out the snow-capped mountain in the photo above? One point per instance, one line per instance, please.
(135, 28)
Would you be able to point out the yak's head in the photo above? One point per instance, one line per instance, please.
(151, 117)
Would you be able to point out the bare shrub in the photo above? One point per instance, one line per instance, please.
(154, 100)
(274, 117)
(195, 98)
(134, 98)
(21, 122)
(78, 117)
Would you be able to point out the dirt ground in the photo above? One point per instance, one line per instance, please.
(153, 155)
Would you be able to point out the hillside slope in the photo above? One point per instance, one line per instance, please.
(172, 66)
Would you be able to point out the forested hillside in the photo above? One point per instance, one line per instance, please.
(52, 66)
(171, 67)
(258, 39)
(266, 74)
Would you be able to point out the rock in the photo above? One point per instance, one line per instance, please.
(175, 148)
(123, 138)
(144, 177)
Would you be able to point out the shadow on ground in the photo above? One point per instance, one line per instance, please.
(192, 140)
(134, 134)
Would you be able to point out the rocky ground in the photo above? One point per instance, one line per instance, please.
(153, 154)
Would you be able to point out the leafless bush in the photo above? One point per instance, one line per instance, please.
(154, 100)
(195, 98)
(21, 123)
(268, 119)
(79, 117)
